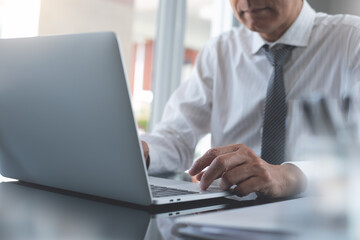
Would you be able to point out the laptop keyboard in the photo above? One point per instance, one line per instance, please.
(158, 191)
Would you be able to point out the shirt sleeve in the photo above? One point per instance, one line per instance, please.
(354, 81)
(307, 167)
(354, 53)
(310, 169)
(186, 119)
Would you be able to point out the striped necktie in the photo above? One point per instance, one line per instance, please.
(275, 110)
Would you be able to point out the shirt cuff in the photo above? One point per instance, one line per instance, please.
(309, 170)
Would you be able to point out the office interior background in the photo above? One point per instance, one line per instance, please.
(160, 39)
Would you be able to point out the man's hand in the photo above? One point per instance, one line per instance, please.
(145, 148)
(238, 165)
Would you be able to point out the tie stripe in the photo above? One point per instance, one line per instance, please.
(275, 110)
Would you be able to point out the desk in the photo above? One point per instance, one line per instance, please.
(34, 212)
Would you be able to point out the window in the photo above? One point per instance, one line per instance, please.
(19, 18)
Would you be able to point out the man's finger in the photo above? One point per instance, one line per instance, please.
(248, 186)
(235, 176)
(209, 156)
(199, 176)
(221, 164)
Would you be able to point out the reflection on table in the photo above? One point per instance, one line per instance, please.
(30, 213)
(34, 212)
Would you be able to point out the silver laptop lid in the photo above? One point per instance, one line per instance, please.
(66, 119)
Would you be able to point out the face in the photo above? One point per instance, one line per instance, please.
(271, 18)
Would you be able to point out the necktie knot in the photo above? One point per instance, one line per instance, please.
(277, 56)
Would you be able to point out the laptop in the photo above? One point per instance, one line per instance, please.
(66, 121)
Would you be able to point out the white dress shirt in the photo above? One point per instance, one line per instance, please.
(225, 93)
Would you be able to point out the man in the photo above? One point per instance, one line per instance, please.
(243, 83)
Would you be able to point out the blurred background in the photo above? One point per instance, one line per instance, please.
(180, 27)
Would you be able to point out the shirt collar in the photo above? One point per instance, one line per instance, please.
(297, 35)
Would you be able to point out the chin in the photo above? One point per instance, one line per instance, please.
(256, 25)
(259, 28)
